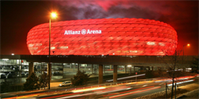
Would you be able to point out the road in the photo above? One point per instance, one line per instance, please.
(137, 90)
(120, 91)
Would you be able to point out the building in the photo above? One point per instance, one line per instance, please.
(20, 66)
(120, 36)
(99, 46)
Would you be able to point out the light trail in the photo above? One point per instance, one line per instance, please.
(90, 89)
(181, 82)
(137, 89)
(127, 91)
(126, 77)
(75, 96)
(25, 96)
(62, 95)
(113, 89)
(101, 88)
(176, 79)
(134, 92)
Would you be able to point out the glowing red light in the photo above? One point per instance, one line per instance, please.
(121, 36)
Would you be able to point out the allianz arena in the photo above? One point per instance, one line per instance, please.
(120, 36)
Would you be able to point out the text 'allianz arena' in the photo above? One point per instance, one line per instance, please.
(120, 36)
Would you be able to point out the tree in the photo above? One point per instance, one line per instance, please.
(195, 65)
(81, 78)
(43, 81)
(32, 82)
(172, 62)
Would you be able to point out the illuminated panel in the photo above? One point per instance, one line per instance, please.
(120, 36)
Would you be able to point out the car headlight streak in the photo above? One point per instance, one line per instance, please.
(89, 89)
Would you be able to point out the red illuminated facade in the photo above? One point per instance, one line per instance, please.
(121, 36)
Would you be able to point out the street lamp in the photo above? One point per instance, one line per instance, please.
(53, 15)
(183, 53)
(184, 46)
(12, 54)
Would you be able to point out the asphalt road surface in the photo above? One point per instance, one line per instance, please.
(122, 91)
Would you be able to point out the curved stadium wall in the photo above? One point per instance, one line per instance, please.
(120, 36)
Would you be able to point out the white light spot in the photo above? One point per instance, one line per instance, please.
(150, 43)
(129, 65)
(52, 47)
(5, 59)
(135, 51)
(161, 44)
(64, 47)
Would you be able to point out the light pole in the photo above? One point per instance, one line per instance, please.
(53, 15)
(183, 48)
(183, 54)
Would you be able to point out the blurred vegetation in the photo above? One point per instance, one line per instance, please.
(81, 78)
(32, 82)
(43, 80)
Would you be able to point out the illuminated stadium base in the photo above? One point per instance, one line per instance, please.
(121, 36)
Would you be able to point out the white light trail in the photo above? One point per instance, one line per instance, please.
(181, 82)
(90, 89)
(126, 77)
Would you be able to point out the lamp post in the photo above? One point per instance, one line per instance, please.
(53, 15)
(183, 48)
(183, 53)
(12, 54)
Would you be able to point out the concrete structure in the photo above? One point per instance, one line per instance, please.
(114, 73)
(31, 68)
(92, 63)
(100, 79)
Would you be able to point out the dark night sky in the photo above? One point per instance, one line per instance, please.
(18, 17)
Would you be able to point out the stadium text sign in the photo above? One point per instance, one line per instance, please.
(82, 32)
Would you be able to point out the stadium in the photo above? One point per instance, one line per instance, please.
(99, 46)
(119, 36)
